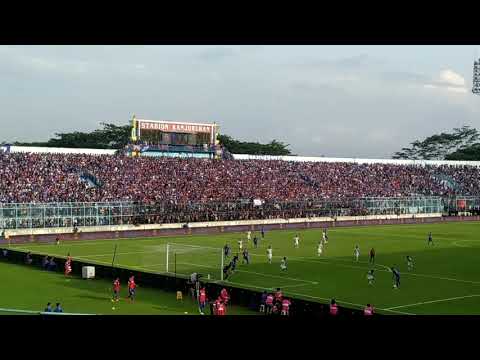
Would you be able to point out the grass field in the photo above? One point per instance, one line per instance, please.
(31, 289)
(446, 278)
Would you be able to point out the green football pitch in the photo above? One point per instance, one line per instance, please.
(28, 289)
(445, 278)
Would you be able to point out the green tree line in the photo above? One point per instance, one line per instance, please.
(459, 144)
(111, 136)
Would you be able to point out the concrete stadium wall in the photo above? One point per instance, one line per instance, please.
(56, 150)
(40, 150)
(356, 161)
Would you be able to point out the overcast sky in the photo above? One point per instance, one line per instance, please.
(338, 101)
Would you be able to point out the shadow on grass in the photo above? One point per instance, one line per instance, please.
(95, 297)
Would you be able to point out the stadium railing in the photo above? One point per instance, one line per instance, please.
(50, 215)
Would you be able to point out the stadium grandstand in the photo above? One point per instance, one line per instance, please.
(173, 188)
(175, 180)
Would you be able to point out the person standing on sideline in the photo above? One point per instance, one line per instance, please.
(58, 308)
(202, 300)
(333, 308)
(131, 288)
(116, 290)
(368, 311)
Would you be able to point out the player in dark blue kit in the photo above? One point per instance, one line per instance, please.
(396, 278)
(227, 250)
(263, 233)
(246, 257)
(255, 241)
(234, 263)
(227, 271)
(430, 239)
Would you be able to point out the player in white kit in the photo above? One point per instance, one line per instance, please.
(356, 252)
(269, 254)
(249, 236)
(324, 236)
(410, 263)
(240, 244)
(370, 277)
(295, 241)
(320, 249)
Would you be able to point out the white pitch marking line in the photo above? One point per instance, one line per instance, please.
(432, 301)
(298, 285)
(405, 273)
(261, 274)
(319, 261)
(456, 243)
(125, 253)
(300, 259)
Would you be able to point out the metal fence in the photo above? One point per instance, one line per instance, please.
(14, 216)
(48, 215)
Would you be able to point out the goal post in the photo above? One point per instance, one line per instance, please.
(184, 259)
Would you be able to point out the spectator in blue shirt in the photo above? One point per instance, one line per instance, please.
(263, 301)
(45, 263)
(52, 266)
(58, 308)
(28, 258)
(48, 308)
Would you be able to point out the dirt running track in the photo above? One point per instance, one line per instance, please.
(219, 230)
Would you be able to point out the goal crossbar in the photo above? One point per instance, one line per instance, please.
(169, 250)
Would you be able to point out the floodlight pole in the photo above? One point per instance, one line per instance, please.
(221, 266)
(476, 77)
(168, 251)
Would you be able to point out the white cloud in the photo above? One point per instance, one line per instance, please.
(452, 78)
(448, 80)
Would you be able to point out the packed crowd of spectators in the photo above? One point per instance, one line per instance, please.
(189, 190)
(55, 178)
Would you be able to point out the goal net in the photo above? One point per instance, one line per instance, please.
(182, 259)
